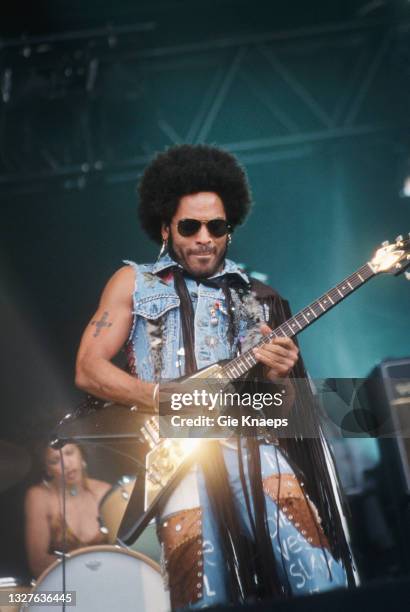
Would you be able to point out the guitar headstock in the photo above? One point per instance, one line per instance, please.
(392, 258)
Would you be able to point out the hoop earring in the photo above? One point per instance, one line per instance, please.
(163, 248)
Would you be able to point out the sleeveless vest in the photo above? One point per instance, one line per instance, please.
(155, 345)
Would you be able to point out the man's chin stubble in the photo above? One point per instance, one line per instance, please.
(201, 273)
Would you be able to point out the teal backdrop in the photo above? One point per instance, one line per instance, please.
(312, 97)
(313, 105)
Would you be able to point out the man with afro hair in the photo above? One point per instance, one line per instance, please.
(184, 170)
(254, 517)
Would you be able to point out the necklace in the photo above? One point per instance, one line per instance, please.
(73, 491)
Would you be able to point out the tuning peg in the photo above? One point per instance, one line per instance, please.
(385, 243)
(398, 266)
(399, 238)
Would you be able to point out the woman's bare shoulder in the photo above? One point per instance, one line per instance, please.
(98, 487)
(37, 495)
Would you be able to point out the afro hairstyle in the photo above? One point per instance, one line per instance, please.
(186, 169)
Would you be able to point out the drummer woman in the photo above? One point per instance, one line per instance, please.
(46, 531)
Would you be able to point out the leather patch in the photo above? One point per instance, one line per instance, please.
(181, 537)
(297, 508)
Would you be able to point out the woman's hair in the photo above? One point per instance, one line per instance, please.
(39, 453)
(185, 170)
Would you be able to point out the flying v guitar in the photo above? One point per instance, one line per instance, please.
(168, 458)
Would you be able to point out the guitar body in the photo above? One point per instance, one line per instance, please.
(168, 459)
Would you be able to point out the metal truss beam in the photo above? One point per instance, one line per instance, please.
(232, 64)
(228, 41)
(220, 96)
(74, 36)
(366, 82)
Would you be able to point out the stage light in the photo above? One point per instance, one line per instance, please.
(405, 193)
(404, 178)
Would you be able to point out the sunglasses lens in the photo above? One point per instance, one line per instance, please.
(188, 227)
(218, 227)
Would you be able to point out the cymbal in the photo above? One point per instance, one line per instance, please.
(15, 462)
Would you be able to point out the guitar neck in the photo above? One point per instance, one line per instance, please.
(243, 363)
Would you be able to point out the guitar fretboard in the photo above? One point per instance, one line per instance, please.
(239, 366)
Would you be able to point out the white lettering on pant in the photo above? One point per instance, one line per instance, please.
(208, 589)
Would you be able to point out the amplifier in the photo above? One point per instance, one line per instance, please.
(388, 392)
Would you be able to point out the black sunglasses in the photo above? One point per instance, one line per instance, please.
(216, 227)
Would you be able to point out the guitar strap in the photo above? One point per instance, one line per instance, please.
(187, 320)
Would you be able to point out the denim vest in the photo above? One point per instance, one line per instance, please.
(155, 345)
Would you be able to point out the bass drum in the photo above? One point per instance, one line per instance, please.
(106, 578)
(112, 509)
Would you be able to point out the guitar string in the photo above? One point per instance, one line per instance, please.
(355, 280)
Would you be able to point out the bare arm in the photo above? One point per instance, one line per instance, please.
(104, 336)
(37, 531)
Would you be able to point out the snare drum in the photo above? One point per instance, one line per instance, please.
(112, 509)
(106, 578)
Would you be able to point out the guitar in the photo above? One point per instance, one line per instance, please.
(167, 459)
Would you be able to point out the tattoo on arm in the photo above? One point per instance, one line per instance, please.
(103, 322)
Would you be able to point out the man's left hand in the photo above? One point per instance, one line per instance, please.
(279, 355)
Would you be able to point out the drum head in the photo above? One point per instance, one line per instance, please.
(106, 579)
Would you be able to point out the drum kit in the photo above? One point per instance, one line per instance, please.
(104, 577)
(109, 577)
